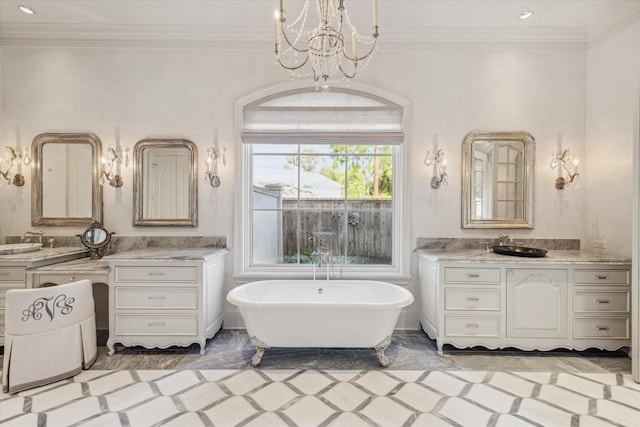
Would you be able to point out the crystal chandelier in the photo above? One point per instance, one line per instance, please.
(324, 47)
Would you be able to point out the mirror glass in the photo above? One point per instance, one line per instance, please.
(65, 184)
(97, 239)
(497, 181)
(165, 185)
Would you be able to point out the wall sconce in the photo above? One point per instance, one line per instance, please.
(568, 168)
(15, 158)
(211, 175)
(440, 176)
(112, 158)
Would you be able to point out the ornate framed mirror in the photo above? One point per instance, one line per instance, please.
(165, 187)
(498, 180)
(66, 186)
(97, 239)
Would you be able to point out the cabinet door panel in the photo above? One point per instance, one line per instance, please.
(537, 303)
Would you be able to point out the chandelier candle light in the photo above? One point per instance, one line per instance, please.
(323, 47)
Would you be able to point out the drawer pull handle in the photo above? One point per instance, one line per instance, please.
(156, 297)
(473, 299)
(602, 301)
(600, 277)
(601, 328)
(473, 325)
(152, 273)
(156, 324)
(6, 273)
(473, 275)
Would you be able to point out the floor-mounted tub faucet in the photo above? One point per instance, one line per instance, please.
(320, 253)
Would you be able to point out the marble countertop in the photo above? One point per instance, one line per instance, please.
(553, 256)
(43, 257)
(168, 254)
(77, 266)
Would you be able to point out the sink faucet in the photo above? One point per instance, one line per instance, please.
(503, 239)
(25, 239)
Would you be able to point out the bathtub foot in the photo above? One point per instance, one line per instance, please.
(380, 348)
(260, 349)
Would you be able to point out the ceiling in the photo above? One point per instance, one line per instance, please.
(254, 18)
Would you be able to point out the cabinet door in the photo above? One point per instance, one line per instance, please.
(537, 304)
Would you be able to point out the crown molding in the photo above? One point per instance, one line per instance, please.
(260, 38)
(609, 25)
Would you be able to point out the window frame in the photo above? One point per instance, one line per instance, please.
(396, 272)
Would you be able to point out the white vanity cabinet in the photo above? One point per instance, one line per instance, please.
(566, 300)
(162, 300)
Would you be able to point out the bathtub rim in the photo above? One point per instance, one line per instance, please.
(232, 297)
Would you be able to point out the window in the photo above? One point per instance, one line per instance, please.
(337, 196)
(321, 172)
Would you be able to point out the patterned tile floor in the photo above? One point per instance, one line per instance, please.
(350, 398)
(336, 387)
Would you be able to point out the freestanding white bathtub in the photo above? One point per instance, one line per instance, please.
(320, 313)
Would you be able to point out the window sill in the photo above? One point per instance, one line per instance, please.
(391, 276)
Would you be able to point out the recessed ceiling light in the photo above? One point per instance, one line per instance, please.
(26, 9)
(526, 15)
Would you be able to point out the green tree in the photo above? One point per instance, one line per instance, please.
(368, 170)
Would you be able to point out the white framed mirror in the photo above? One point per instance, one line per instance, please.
(66, 190)
(165, 187)
(498, 180)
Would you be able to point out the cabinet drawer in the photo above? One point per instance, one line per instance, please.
(170, 324)
(481, 326)
(13, 274)
(61, 279)
(602, 327)
(176, 274)
(471, 275)
(602, 277)
(128, 297)
(471, 299)
(605, 301)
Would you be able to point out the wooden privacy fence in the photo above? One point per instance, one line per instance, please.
(366, 224)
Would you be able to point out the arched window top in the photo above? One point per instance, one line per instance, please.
(313, 115)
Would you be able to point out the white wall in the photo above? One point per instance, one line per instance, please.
(613, 76)
(127, 94)
(130, 94)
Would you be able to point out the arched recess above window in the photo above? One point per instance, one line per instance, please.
(344, 115)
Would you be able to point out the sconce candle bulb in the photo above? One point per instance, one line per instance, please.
(113, 158)
(440, 162)
(210, 175)
(568, 168)
(15, 158)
